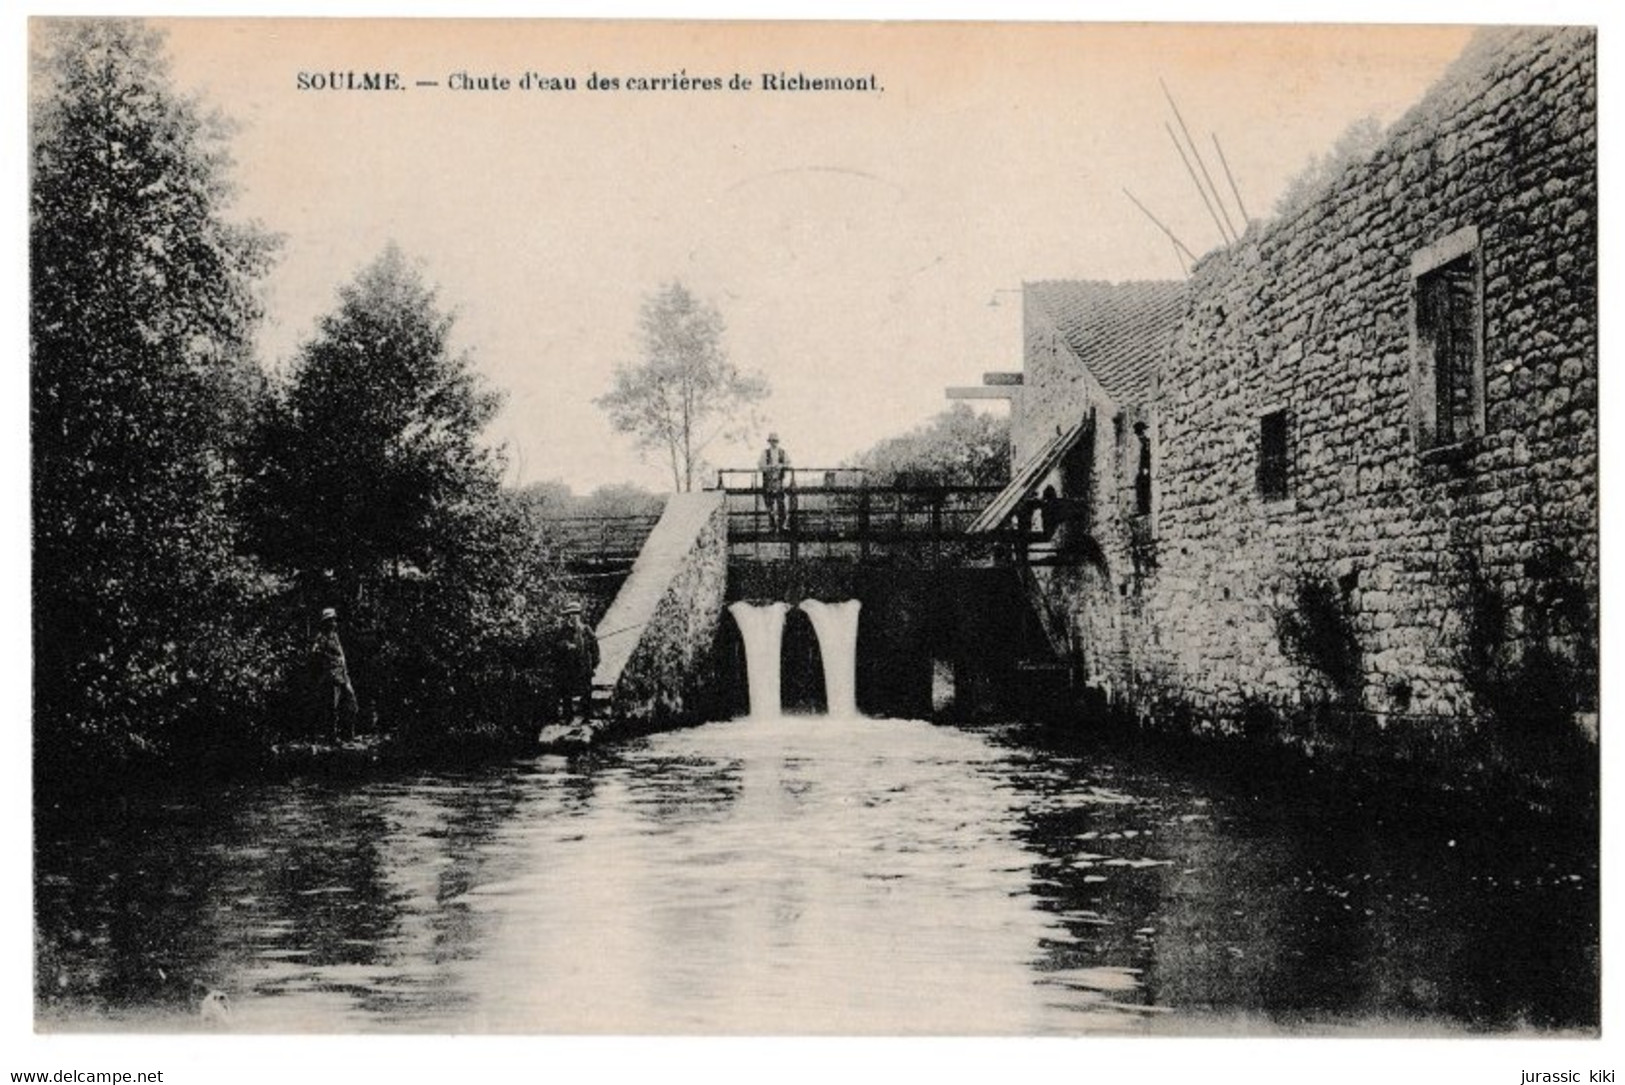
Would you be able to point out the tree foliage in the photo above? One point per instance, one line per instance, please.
(374, 493)
(189, 513)
(141, 311)
(1316, 631)
(373, 441)
(683, 393)
(1358, 143)
(555, 500)
(956, 447)
(1528, 650)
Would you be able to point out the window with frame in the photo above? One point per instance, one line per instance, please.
(1274, 456)
(1447, 341)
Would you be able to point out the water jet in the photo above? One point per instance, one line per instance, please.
(762, 627)
(837, 627)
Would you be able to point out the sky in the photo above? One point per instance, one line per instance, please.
(864, 249)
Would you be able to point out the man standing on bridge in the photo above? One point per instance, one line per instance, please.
(775, 465)
(577, 659)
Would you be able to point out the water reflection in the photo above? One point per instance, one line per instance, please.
(1309, 912)
(807, 875)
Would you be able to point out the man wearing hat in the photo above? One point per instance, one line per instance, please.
(577, 650)
(775, 465)
(334, 694)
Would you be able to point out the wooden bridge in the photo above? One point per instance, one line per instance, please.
(838, 513)
(606, 545)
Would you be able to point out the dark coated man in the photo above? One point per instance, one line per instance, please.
(577, 658)
(335, 696)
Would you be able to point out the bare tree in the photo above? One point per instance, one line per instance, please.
(683, 393)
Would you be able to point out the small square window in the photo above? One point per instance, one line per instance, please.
(1447, 342)
(1274, 456)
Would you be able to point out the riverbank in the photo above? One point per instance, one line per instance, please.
(226, 759)
(1470, 774)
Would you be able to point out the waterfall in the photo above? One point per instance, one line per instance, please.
(762, 628)
(837, 627)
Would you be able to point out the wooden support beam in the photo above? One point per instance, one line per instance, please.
(1002, 379)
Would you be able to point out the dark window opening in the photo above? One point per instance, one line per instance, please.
(1274, 457)
(1451, 372)
(1142, 475)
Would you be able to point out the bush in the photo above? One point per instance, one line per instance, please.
(1529, 681)
(1317, 632)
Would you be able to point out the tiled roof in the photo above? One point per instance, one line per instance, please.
(1119, 330)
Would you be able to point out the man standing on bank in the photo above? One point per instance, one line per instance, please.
(335, 696)
(577, 660)
(775, 464)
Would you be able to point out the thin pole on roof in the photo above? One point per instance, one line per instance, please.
(1178, 244)
(1234, 191)
(1198, 155)
(1180, 260)
(1200, 191)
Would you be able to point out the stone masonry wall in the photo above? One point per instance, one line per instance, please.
(669, 673)
(1313, 315)
(1077, 601)
(1057, 390)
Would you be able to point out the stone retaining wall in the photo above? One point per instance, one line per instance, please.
(659, 637)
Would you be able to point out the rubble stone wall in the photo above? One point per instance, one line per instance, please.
(1314, 316)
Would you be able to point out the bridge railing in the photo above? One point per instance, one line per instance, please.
(841, 510)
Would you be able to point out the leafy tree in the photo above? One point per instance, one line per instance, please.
(1358, 143)
(554, 500)
(375, 493)
(683, 393)
(551, 499)
(374, 437)
(958, 446)
(621, 499)
(466, 646)
(142, 305)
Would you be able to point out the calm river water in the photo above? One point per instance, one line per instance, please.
(808, 875)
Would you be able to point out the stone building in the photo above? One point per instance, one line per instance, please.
(1081, 440)
(1370, 428)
